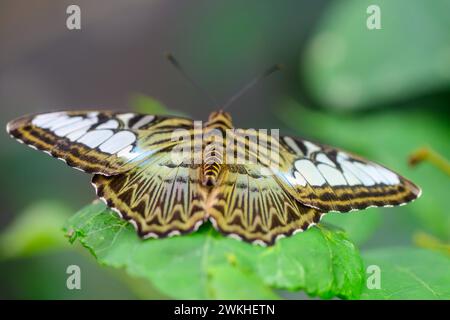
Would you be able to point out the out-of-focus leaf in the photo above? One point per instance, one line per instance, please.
(206, 264)
(44, 276)
(409, 273)
(359, 226)
(348, 66)
(36, 230)
(389, 138)
(324, 263)
(144, 104)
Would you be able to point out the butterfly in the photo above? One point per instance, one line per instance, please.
(135, 172)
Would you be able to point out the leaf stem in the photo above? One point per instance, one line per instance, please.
(430, 155)
(424, 240)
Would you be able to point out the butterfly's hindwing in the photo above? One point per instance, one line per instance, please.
(160, 199)
(248, 205)
(333, 180)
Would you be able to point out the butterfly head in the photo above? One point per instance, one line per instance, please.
(220, 118)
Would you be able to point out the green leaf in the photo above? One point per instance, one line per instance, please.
(359, 226)
(206, 264)
(325, 263)
(181, 267)
(409, 273)
(36, 230)
(224, 279)
(389, 138)
(349, 66)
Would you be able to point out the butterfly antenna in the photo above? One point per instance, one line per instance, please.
(251, 84)
(180, 69)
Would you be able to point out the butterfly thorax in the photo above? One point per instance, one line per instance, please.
(214, 145)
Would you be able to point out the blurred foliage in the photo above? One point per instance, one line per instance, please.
(201, 265)
(408, 273)
(44, 276)
(36, 230)
(350, 67)
(142, 103)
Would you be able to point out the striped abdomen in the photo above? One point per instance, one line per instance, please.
(213, 159)
(214, 134)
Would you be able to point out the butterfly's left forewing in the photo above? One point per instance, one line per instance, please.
(106, 143)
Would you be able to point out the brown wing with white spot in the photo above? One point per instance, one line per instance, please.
(330, 179)
(106, 143)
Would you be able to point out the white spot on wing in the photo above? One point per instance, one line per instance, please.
(133, 223)
(299, 179)
(311, 147)
(70, 127)
(150, 235)
(118, 142)
(78, 129)
(66, 122)
(174, 233)
(77, 134)
(54, 122)
(144, 121)
(234, 236)
(94, 138)
(363, 168)
(377, 177)
(110, 124)
(42, 119)
(341, 156)
(392, 177)
(333, 176)
(127, 153)
(321, 157)
(291, 143)
(125, 117)
(197, 225)
(358, 173)
(351, 179)
(213, 222)
(259, 243)
(308, 170)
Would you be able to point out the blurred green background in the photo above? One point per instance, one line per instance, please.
(380, 93)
